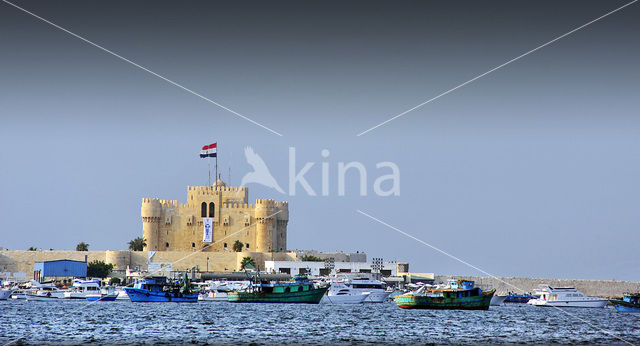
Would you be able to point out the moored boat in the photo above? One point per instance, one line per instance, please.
(519, 298)
(5, 291)
(339, 293)
(374, 289)
(106, 294)
(81, 288)
(497, 300)
(460, 295)
(5, 294)
(216, 291)
(158, 289)
(300, 290)
(566, 297)
(629, 303)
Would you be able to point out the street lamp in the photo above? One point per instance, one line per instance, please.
(207, 264)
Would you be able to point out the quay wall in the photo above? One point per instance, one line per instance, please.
(19, 263)
(599, 288)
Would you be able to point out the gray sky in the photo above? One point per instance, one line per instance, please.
(529, 171)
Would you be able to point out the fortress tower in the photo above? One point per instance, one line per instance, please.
(171, 226)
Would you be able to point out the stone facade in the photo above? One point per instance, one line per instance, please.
(171, 226)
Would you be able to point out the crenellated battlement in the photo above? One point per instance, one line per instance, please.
(213, 189)
(237, 206)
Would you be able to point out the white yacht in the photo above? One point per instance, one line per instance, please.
(5, 293)
(566, 297)
(26, 288)
(216, 291)
(339, 293)
(47, 291)
(82, 288)
(374, 289)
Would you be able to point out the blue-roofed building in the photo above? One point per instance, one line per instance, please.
(59, 268)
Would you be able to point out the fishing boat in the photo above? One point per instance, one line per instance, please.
(106, 294)
(300, 290)
(458, 295)
(566, 297)
(339, 293)
(519, 298)
(628, 303)
(158, 289)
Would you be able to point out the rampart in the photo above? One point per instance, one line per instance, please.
(600, 288)
(19, 263)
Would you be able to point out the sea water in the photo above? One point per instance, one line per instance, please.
(124, 322)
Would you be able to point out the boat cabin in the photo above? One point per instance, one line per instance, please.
(633, 299)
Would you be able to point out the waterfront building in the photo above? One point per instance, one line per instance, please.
(321, 269)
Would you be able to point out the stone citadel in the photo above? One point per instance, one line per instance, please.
(171, 226)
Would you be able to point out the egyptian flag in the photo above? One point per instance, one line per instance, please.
(210, 150)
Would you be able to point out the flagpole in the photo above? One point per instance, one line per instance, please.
(216, 161)
(209, 163)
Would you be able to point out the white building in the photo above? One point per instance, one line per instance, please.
(319, 268)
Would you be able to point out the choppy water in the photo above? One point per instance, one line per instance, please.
(77, 322)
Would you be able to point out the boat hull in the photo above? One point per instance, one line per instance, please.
(140, 295)
(377, 296)
(409, 301)
(522, 299)
(623, 306)
(344, 299)
(38, 298)
(497, 300)
(305, 297)
(95, 298)
(5, 294)
(216, 297)
(599, 303)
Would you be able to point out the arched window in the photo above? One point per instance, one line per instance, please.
(203, 209)
(212, 210)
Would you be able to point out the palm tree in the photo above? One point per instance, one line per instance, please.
(137, 244)
(247, 261)
(237, 246)
(82, 246)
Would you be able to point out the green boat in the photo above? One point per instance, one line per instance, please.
(461, 295)
(300, 291)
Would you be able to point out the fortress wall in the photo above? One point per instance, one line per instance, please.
(601, 288)
(218, 261)
(21, 261)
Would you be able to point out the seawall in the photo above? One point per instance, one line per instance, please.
(600, 288)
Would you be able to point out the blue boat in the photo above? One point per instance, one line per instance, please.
(519, 298)
(157, 289)
(629, 303)
(107, 294)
